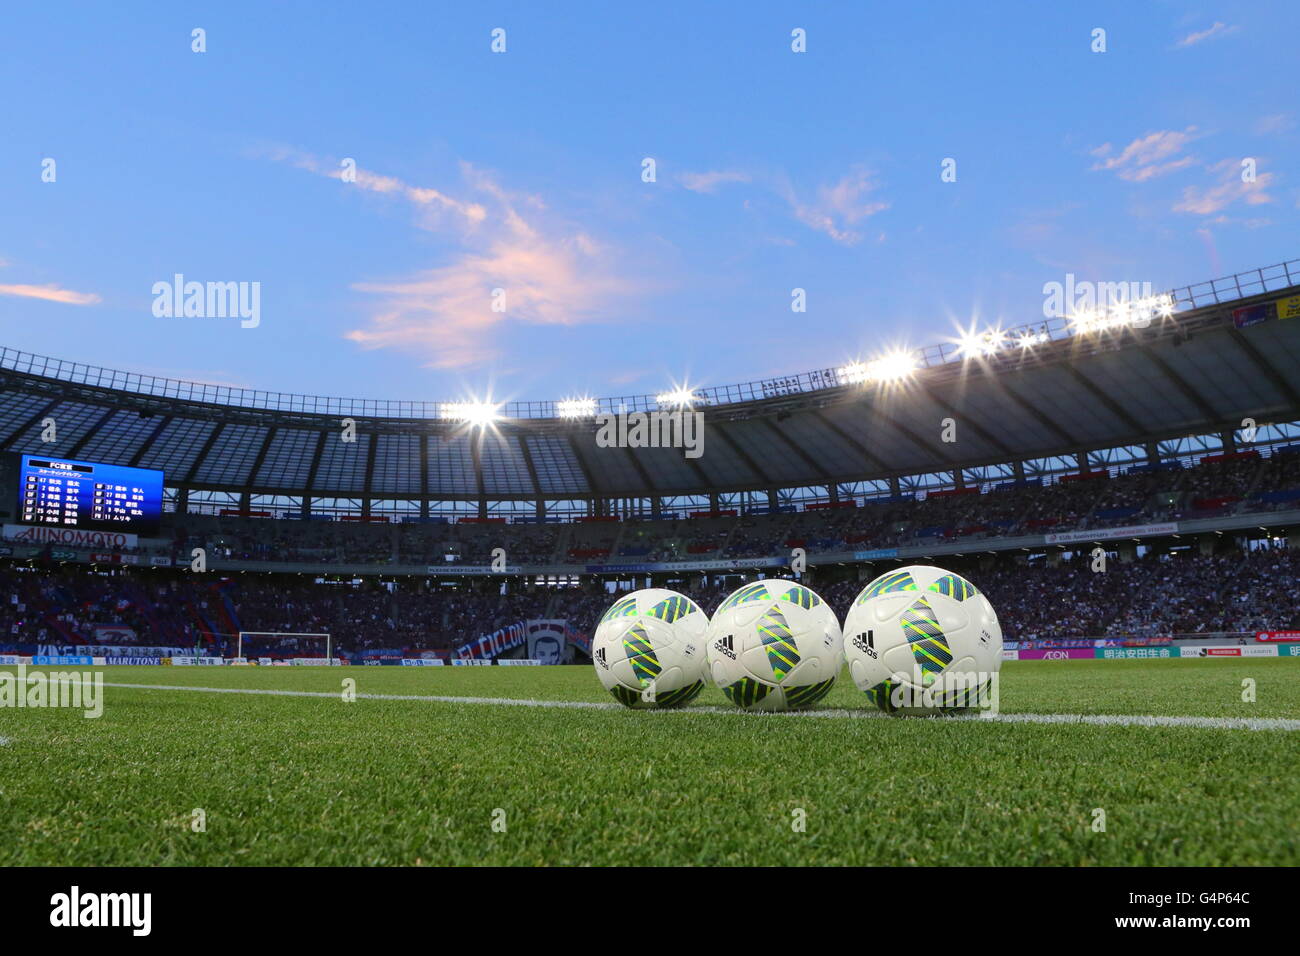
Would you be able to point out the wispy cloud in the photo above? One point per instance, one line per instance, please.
(51, 293)
(432, 200)
(839, 206)
(1274, 123)
(1217, 30)
(708, 182)
(549, 272)
(1205, 201)
(1147, 156)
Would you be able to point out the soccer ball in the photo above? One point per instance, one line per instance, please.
(921, 639)
(649, 649)
(774, 645)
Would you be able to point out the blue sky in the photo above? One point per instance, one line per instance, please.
(522, 171)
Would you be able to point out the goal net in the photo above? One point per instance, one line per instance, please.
(283, 643)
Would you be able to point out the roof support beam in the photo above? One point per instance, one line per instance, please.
(261, 455)
(530, 465)
(582, 464)
(203, 452)
(1106, 401)
(803, 455)
(33, 420)
(80, 443)
(149, 442)
(871, 460)
(743, 455)
(1037, 413)
(911, 435)
(370, 473)
(1180, 383)
(1265, 366)
(968, 421)
(311, 473)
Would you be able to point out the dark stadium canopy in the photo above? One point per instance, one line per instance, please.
(1195, 373)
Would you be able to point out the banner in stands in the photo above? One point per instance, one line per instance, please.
(422, 662)
(1278, 636)
(1056, 654)
(579, 640)
(547, 641)
(1135, 653)
(1106, 534)
(498, 642)
(470, 662)
(114, 634)
(55, 650)
(520, 662)
(874, 554)
(45, 660)
(161, 561)
(470, 569)
(712, 565)
(70, 537)
(1289, 308)
(108, 557)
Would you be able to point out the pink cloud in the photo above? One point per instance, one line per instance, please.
(1230, 189)
(708, 182)
(1219, 29)
(549, 273)
(51, 293)
(1147, 156)
(839, 206)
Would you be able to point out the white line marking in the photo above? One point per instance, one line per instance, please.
(1102, 720)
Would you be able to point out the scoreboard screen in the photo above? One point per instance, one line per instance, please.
(64, 493)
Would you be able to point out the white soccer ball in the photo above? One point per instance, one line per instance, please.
(648, 649)
(774, 645)
(921, 639)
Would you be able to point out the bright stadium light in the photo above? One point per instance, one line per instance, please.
(855, 373)
(974, 344)
(1027, 340)
(678, 396)
(891, 367)
(575, 407)
(472, 413)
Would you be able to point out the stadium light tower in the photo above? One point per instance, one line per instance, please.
(575, 407)
(892, 366)
(679, 396)
(477, 414)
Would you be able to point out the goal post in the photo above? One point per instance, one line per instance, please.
(284, 635)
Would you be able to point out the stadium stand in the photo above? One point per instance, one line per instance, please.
(1132, 438)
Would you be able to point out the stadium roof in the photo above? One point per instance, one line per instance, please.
(1071, 387)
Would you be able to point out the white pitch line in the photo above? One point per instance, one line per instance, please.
(1102, 720)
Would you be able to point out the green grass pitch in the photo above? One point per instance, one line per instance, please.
(316, 780)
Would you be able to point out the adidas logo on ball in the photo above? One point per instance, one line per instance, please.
(726, 645)
(865, 643)
(600, 658)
